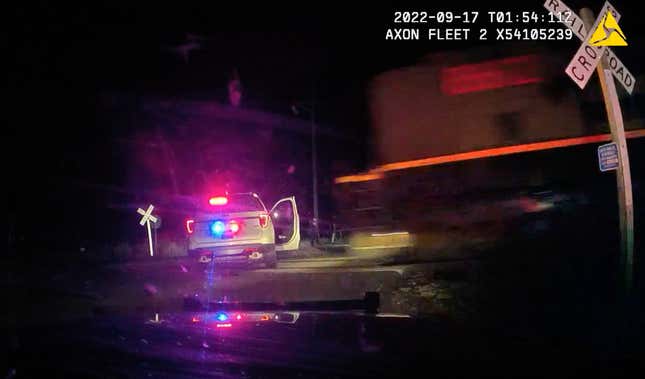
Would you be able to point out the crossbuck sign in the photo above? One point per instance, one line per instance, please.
(584, 62)
(146, 219)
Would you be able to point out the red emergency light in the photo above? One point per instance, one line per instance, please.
(218, 200)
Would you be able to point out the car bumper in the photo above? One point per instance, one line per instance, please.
(235, 255)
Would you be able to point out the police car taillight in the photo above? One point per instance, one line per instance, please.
(264, 220)
(189, 226)
(234, 227)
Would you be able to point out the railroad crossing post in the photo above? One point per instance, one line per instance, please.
(623, 173)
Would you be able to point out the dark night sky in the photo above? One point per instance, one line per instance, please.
(65, 56)
(89, 48)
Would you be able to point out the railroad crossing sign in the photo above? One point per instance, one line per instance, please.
(574, 22)
(608, 157)
(594, 54)
(586, 59)
(146, 218)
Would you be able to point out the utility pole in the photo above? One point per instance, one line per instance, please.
(314, 159)
(314, 169)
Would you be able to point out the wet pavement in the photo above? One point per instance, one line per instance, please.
(318, 344)
(540, 303)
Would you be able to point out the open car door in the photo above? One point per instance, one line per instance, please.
(286, 224)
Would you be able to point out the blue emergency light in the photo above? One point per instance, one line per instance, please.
(218, 228)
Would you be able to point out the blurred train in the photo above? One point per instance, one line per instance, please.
(478, 145)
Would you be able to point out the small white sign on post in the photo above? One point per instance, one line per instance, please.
(146, 218)
(608, 157)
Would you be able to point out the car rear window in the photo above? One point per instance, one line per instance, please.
(239, 203)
